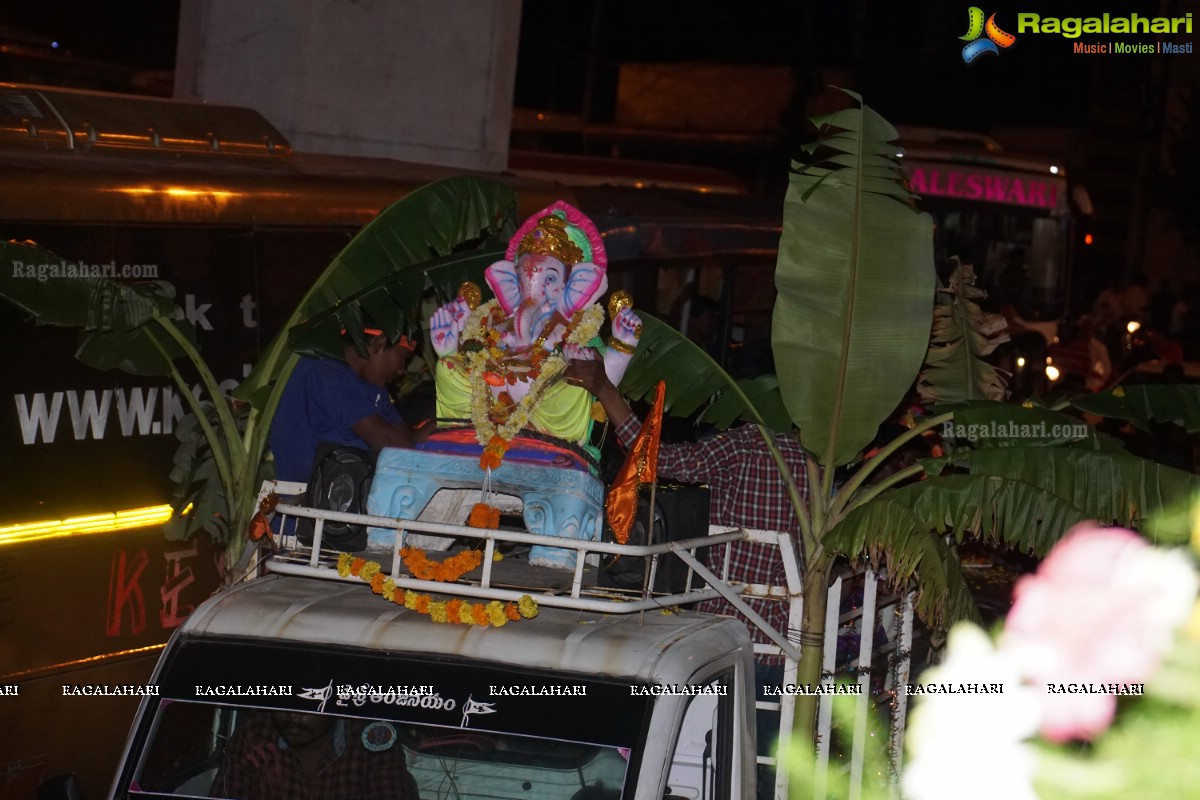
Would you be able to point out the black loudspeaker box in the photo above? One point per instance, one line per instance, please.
(681, 512)
(340, 481)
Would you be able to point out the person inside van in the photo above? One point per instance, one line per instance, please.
(286, 755)
(342, 403)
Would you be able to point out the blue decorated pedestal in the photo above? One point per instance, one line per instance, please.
(557, 501)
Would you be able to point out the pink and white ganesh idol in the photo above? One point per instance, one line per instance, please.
(499, 362)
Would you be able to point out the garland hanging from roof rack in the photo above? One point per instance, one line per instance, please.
(453, 611)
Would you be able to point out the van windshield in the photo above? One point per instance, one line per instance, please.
(224, 751)
(337, 724)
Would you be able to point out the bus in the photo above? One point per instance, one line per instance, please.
(1015, 218)
(214, 200)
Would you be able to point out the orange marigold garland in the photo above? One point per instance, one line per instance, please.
(452, 611)
(493, 453)
(484, 516)
(451, 569)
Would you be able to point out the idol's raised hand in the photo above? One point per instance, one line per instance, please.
(446, 325)
(627, 327)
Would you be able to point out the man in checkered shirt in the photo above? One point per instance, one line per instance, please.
(745, 490)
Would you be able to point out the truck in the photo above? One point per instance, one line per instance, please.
(605, 693)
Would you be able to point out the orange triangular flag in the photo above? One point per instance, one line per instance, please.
(640, 467)
(259, 527)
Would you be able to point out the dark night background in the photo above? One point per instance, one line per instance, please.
(1119, 123)
(1105, 118)
(906, 52)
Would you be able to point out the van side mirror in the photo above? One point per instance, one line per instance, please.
(60, 787)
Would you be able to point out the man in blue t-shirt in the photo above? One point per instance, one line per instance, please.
(342, 402)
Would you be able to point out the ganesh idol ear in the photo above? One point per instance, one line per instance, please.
(502, 277)
(584, 286)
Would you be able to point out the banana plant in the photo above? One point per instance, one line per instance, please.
(422, 242)
(851, 324)
(956, 368)
(855, 325)
(850, 331)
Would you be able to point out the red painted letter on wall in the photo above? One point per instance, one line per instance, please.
(124, 591)
(178, 578)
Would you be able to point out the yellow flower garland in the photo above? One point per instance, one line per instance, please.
(454, 611)
(585, 324)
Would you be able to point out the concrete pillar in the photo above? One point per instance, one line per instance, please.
(428, 81)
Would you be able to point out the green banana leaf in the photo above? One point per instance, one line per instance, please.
(1113, 488)
(963, 336)
(440, 218)
(762, 393)
(433, 221)
(985, 424)
(397, 296)
(1004, 511)
(856, 284)
(892, 534)
(113, 317)
(695, 381)
(1143, 405)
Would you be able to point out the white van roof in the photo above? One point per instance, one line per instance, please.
(315, 611)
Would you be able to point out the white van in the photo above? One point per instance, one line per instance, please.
(602, 695)
(567, 705)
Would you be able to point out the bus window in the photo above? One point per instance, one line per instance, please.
(1007, 215)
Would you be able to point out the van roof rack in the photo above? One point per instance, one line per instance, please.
(507, 580)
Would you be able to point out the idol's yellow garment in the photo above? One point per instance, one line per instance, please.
(564, 412)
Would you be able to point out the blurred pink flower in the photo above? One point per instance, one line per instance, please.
(954, 739)
(1101, 609)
